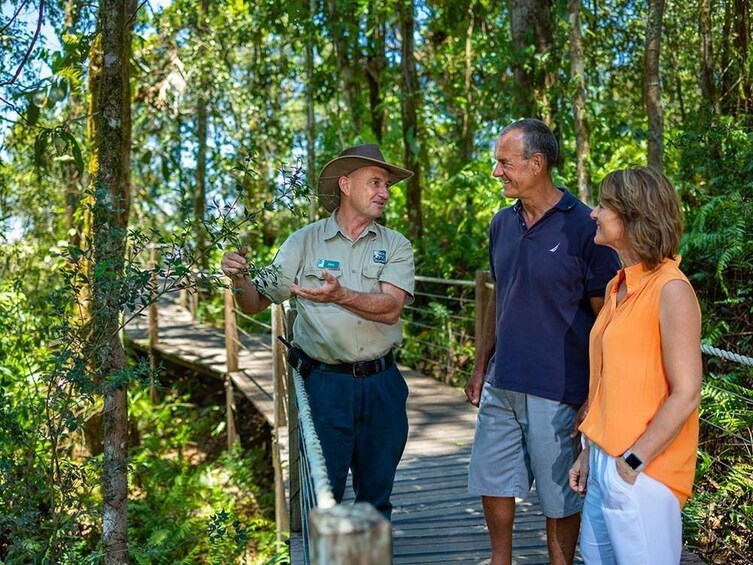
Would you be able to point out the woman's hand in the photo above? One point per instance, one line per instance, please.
(625, 471)
(578, 474)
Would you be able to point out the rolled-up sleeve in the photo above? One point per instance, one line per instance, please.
(273, 281)
(400, 269)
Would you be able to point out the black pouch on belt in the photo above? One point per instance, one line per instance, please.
(301, 362)
(297, 358)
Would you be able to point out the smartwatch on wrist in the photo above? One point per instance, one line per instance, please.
(633, 461)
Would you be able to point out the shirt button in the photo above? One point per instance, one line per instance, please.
(352, 270)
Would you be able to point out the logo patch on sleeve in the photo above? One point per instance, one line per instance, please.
(380, 256)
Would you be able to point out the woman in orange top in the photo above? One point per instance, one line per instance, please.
(641, 430)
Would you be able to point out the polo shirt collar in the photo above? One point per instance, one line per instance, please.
(332, 228)
(566, 203)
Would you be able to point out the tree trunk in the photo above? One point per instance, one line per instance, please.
(531, 22)
(110, 220)
(577, 73)
(73, 180)
(376, 62)
(310, 120)
(345, 39)
(652, 85)
(409, 112)
(201, 152)
(742, 47)
(467, 131)
(708, 87)
(726, 79)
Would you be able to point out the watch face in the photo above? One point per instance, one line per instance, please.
(633, 461)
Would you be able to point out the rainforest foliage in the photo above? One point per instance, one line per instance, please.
(200, 125)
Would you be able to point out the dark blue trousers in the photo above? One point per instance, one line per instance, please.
(362, 425)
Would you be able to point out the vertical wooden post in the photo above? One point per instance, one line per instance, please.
(231, 330)
(230, 411)
(483, 295)
(231, 350)
(279, 364)
(153, 321)
(349, 533)
(294, 454)
(193, 296)
(279, 368)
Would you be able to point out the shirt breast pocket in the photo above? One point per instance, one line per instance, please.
(313, 276)
(370, 276)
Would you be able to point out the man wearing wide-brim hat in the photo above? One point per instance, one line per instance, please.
(351, 278)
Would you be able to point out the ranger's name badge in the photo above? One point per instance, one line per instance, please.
(328, 264)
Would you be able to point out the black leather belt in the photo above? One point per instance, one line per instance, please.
(359, 369)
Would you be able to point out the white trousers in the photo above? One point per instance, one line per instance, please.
(624, 524)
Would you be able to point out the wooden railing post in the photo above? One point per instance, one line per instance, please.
(349, 533)
(189, 295)
(231, 349)
(193, 296)
(280, 371)
(294, 452)
(153, 321)
(483, 295)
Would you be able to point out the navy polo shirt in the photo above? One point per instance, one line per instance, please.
(545, 277)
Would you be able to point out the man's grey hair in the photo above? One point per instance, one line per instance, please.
(537, 138)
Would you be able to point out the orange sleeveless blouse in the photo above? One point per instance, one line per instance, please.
(628, 383)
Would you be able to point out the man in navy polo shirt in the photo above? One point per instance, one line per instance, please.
(550, 279)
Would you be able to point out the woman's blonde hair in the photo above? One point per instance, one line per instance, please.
(649, 208)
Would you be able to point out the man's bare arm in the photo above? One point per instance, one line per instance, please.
(384, 307)
(484, 348)
(248, 298)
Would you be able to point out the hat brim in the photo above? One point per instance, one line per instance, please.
(329, 191)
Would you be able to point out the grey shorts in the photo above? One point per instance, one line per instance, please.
(520, 437)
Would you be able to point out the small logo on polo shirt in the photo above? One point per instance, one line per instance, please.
(555, 248)
(380, 256)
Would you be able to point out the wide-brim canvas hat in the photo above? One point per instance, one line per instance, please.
(348, 161)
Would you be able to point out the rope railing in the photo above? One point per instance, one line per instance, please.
(457, 299)
(315, 488)
(333, 534)
(427, 311)
(728, 355)
(253, 320)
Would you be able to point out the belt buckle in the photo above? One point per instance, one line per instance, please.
(360, 369)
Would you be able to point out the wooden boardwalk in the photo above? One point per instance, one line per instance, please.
(435, 520)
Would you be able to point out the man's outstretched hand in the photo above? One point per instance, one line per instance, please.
(329, 292)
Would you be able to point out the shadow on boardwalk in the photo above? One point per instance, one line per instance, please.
(435, 520)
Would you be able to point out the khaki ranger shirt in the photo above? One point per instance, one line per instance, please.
(329, 332)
